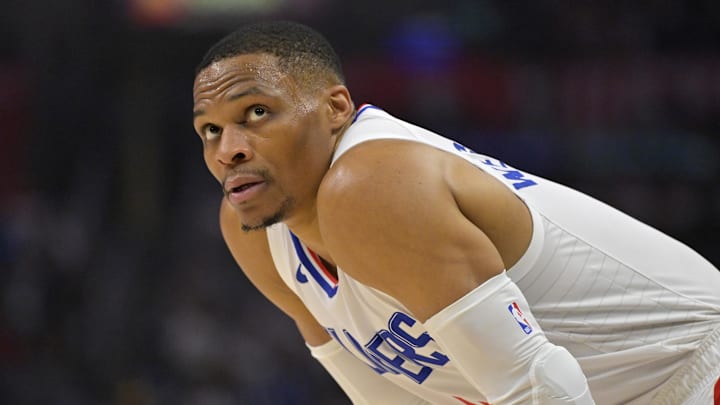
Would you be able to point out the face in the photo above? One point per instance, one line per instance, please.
(266, 141)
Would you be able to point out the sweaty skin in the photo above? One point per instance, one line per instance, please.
(254, 121)
(414, 222)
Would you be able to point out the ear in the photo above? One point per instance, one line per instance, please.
(340, 107)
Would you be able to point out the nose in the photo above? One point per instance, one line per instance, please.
(234, 147)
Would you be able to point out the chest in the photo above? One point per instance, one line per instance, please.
(368, 323)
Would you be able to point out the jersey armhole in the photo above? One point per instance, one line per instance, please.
(528, 259)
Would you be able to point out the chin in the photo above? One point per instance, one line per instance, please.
(278, 216)
(263, 223)
(258, 226)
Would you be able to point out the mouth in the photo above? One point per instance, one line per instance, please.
(241, 189)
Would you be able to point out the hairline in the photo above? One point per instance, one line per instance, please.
(291, 42)
(326, 75)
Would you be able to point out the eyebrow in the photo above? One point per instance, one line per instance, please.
(247, 92)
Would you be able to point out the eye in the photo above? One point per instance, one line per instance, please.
(256, 113)
(211, 131)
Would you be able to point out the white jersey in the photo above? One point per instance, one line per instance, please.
(630, 303)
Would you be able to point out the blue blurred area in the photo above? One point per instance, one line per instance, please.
(115, 284)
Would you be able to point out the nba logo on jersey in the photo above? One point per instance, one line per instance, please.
(519, 318)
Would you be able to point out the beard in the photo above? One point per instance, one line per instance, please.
(271, 219)
(278, 216)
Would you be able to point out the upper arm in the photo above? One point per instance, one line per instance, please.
(394, 217)
(252, 253)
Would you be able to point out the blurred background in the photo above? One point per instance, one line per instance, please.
(115, 285)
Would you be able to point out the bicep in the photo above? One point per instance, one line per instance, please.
(391, 221)
(252, 253)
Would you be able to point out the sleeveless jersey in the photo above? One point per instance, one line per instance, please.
(630, 303)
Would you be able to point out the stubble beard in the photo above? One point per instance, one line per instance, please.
(272, 219)
(278, 216)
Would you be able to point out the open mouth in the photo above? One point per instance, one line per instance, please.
(245, 192)
(243, 187)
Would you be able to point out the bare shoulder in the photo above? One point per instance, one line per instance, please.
(389, 216)
(251, 251)
(379, 178)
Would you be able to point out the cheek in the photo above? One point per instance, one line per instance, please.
(311, 162)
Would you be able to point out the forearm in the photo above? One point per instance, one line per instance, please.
(494, 341)
(361, 384)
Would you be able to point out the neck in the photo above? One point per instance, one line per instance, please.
(311, 237)
(306, 228)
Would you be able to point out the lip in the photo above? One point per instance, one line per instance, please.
(239, 189)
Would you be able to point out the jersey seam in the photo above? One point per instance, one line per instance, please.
(632, 268)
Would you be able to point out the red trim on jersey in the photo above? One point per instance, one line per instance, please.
(466, 402)
(320, 264)
(717, 392)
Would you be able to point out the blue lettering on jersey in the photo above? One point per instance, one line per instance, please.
(335, 336)
(305, 261)
(396, 350)
(398, 332)
(299, 276)
(463, 148)
(374, 363)
(516, 177)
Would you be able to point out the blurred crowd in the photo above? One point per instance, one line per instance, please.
(115, 286)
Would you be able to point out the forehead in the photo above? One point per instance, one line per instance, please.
(254, 69)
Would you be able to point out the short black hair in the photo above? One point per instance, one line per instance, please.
(300, 49)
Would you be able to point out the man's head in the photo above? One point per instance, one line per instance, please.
(301, 51)
(269, 107)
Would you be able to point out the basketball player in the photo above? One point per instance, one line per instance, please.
(419, 271)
